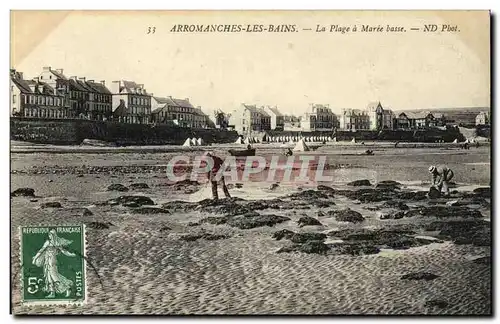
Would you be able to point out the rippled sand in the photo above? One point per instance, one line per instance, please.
(143, 270)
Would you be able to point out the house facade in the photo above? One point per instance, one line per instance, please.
(483, 118)
(318, 117)
(36, 99)
(131, 103)
(248, 118)
(179, 112)
(291, 123)
(354, 119)
(277, 118)
(379, 117)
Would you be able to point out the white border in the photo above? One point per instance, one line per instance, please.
(200, 4)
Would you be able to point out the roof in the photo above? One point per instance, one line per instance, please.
(59, 75)
(165, 100)
(374, 105)
(159, 109)
(85, 86)
(130, 87)
(182, 103)
(77, 85)
(98, 87)
(252, 108)
(263, 112)
(121, 110)
(25, 86)
(275, 111)
(22, 85)
(416, 115)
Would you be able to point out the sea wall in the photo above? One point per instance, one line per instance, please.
(74, 131)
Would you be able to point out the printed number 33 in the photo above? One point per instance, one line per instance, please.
(151, 30)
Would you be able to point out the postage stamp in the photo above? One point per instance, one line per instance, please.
(53, 264)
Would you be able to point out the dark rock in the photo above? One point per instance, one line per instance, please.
(99, 225)
(419, 276)
(484, 260)
(447, 211)
(309, 195)
(149, 210)
(205, 236)
(273, 186)
(358, 183)
(131, 205)
(51, 204)
(434, 193)
(140, 200)
(238, 185)
(388, 184)
(395, 204)
(467, 201)
(284, 233)
(412, 195)
(33, 200)
(484, 192)
(436, 303)
(117, 187)
(353, 249)
(308, 221)
(193, 224)
(396, 215)
(23, 192)
(321, 214)
(165, 229)
(139, 185)
(347, 215)
(214, 220)
(304, 237)
(327, 189)
(80, 176)
(371, 208)
(316, 247)
(247, 222)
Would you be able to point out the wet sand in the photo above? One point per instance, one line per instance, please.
(148, 270)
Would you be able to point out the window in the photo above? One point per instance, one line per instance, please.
(13, 99)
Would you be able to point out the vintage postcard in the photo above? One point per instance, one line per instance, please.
(250, 162)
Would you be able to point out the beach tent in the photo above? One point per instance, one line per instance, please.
(329, 138)
(291, 141)
(239, 141)
(353, 140)
(456, 140)
(247, 140)
(301, 147)
(193, 141)
(199, 141)
(334, 139)
(187, 142)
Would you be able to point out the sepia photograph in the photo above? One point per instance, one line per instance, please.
(223, 162)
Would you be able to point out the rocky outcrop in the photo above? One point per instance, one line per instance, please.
(359, 183)
(99, 225)
(140, 185)
(420, 276)
(308, 221)
(145, 210)
(252, 221)
(138, 200)
(346, 215)
(117, 187)
(204, 236)
(51, 204)
(298, 237)
(23, 192)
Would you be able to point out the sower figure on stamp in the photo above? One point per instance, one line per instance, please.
(212, 176)
(46, 258)
(441, 178)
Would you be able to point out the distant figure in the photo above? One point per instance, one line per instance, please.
(396, 144)
(441, 178)
(477, 144)
(289, 152)
(249, 147)
(211, 175)
(369, 152)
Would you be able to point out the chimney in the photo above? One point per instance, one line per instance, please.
(40, 88)
(169, 97)
(46, 68)
(103, 82)
(82, 79)
(20, 75)
(73, 78)
(187, 99)
(92, 81)
(36, 79)
(59, 71)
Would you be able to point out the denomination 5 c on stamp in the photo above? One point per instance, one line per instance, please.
(53, 264)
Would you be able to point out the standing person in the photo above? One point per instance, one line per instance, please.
(211, 175)
(441, 178)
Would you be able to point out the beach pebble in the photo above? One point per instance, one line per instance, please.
(484, 192)
(436, 303)
(139, 185)
(248, 222)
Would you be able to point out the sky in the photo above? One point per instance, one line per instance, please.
(408, 70)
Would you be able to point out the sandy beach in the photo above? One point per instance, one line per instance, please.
(193, 256)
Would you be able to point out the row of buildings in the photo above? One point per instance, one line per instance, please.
(320, 117)
(54, 95)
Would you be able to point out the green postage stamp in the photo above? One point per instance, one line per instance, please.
(53, 264)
